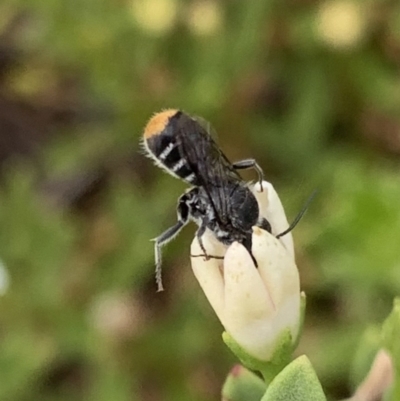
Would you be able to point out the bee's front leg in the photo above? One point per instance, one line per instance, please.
(199, 234)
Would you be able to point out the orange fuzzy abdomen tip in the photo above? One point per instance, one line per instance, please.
(158, 122)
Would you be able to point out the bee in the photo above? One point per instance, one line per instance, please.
(219, 199)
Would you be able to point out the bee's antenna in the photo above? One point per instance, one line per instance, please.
(299, 216)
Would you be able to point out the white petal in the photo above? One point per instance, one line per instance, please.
(276, 266)
(271, 208)
(209, 273)
(246, 298)
(281, 277)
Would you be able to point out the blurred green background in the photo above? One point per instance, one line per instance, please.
(310, 89)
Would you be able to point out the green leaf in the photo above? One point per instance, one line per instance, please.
(241, 384)
(297, 382)
(390, 339)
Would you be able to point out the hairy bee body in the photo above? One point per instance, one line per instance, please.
(219, 200)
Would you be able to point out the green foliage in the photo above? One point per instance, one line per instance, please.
(317, 106)
(369, 344)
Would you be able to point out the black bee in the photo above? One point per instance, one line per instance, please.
(219, 200)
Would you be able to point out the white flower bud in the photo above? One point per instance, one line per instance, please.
(255, 305)
(272, 209)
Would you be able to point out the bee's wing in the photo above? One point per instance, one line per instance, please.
(222, 177)
(213, 170)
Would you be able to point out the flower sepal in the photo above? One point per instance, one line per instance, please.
(281, 354)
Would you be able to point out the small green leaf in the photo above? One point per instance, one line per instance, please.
(297, 382)
(242, 385)
(390, 339)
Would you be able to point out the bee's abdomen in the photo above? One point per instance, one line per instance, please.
(244, 210)
(161, 144)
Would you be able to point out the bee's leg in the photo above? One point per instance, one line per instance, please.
(247, 243)
(250, 163)
(264, 224)
(208, 256)
(168, 235)
(159, 242)
(199, 234)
